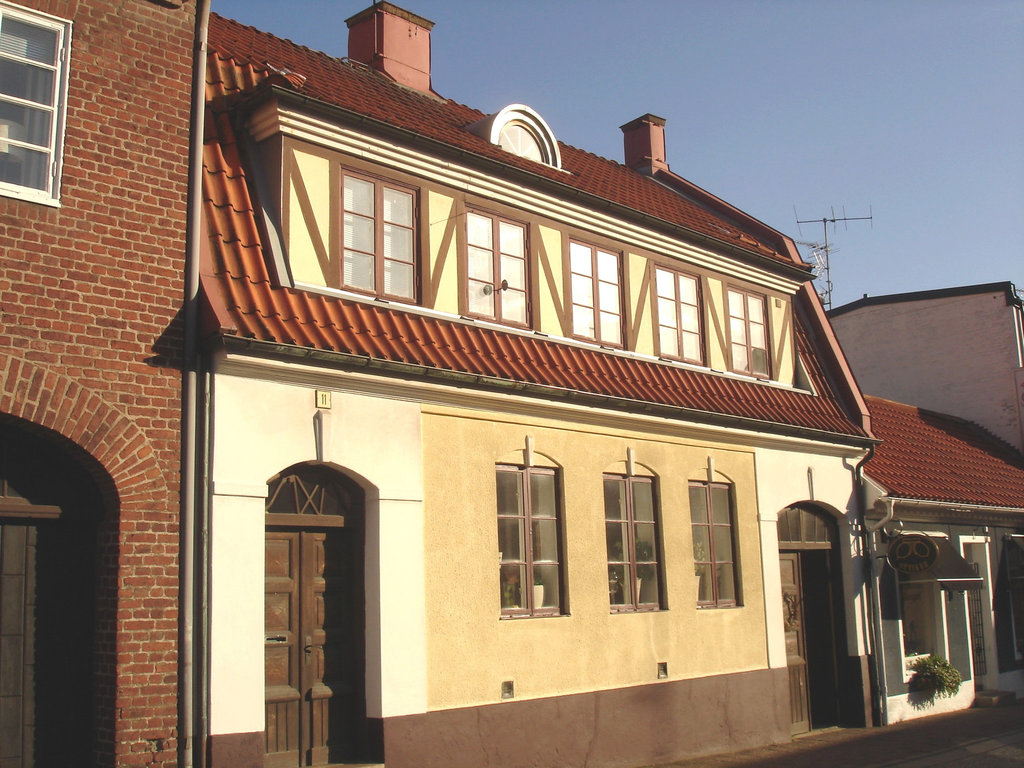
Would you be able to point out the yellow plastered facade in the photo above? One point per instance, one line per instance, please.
(471, 649)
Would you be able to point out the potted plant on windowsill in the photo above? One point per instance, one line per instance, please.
(934, 676)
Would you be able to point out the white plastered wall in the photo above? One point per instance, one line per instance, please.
(259, 428)
(784, 479)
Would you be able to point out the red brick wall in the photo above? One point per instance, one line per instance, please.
(90, 337)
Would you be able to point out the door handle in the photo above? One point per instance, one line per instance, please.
(277, 639)
(308, 648)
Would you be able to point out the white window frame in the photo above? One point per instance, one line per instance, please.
(55, 147)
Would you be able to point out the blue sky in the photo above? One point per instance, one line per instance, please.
(910, 110)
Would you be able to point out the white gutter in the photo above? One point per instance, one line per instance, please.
(191, 737)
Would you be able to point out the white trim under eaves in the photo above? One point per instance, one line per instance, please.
(270, 120)
(440, 395)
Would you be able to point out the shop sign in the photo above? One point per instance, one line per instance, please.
(912, 553)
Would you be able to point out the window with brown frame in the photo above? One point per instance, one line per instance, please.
(529, 541)
(632, 536)
(714, 546)
(379, 238)
(595, 290)
(678, 309)
(748, 333)
(496, 282)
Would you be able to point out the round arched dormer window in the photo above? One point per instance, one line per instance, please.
(520, 140)
(522, 132)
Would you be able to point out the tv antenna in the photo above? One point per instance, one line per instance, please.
(822, 252)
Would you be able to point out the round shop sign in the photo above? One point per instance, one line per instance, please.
(912, 553)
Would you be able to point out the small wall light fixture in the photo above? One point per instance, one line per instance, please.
(508, 689)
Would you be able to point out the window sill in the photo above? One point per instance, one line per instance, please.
(27, 195)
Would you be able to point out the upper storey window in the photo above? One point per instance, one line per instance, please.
(496, 269)
(521, 131)
(596, 307)
(748, 333)
(379, 238)
(34, 52)
(678, 313)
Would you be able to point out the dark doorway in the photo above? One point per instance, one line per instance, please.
(49, 513)
(813, 617)
(315, 621)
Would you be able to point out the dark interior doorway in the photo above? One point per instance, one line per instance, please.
(813, 602)
(49, 512)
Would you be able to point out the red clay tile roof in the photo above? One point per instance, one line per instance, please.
(936, 457)
(246, 303)
(352, 86)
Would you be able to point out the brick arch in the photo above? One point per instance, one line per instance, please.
(48, 399)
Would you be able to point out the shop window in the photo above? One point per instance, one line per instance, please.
(920, 616)
(1015, 577)
(529, 541)
(632, 536)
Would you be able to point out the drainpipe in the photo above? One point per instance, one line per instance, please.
(189, 709)
(874, 590)
(871, 584)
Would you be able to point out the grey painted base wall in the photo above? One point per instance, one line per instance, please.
(652, 723)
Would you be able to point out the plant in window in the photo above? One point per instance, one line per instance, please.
(934, 675)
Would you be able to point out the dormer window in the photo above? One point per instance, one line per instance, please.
(520, 140)
(521, 131)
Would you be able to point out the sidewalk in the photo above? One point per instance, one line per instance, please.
(985, 737)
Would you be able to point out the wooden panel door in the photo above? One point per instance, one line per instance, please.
(17, 664)
(307, 664)
(282, 641)
(796, 648)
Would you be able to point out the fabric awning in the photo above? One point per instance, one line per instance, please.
(951, 570)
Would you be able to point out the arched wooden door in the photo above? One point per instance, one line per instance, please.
(812, 615)
(314, 619)
(49, 512)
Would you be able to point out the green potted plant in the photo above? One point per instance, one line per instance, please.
(934, 675)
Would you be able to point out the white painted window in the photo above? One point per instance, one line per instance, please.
(34, 56)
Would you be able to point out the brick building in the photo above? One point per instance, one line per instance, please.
(94, 137)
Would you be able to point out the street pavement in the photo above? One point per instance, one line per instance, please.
(973, 738)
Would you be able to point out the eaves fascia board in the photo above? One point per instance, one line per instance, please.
(517, 179)
(256, 350)
(922, 510)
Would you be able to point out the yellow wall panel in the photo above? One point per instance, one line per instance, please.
(441, 276)
(471, 649)
(549, 277)
(639, 304)
(717, 328)
(309, 217)
(781, 326)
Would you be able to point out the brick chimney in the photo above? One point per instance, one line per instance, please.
(644, 141)
(393, 41)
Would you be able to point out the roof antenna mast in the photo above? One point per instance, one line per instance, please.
(822, 252)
